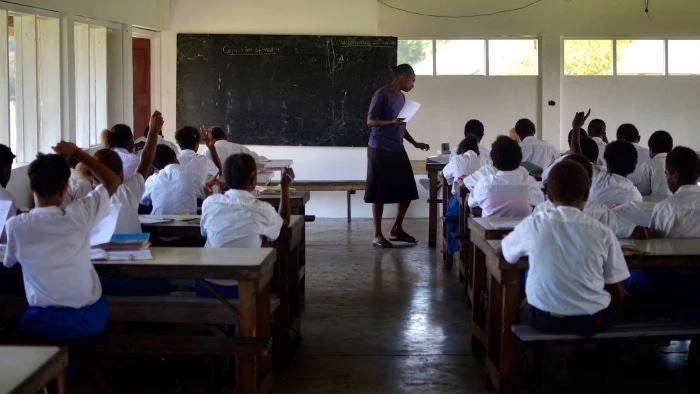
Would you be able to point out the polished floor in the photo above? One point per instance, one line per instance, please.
(387, 321)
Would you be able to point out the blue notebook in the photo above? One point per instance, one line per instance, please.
(130, 238)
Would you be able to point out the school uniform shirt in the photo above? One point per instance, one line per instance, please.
(53, 247)
(546, 171)
(461, 166)
(612, 190)
(506, 194)
(161, 141)
(195, 163)
(129, 195)
(7, 196)
(538, 152)
(572, 257)
(484, 154)
(471, 180)
(651, 180)
(601, 150)
(130, 161)
(173, 191)
(643, 157)
(236, 219)
(622, 227)
(679, 215)
(77, 189)
(227, 148)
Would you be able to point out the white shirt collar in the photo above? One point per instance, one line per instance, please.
(47, 210)
(530, 138)
(688, 189)
(188, 152)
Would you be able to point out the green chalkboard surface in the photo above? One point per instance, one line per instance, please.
(282, 90)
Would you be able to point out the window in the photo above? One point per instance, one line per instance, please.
(588, 57)
(417, 53)
(90, 83)
(640, 57)
(460, 57)
(683, 57)
(513, 57)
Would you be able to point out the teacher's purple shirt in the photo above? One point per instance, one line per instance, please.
(386, 105)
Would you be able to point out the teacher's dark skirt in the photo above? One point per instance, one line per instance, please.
(389, 177)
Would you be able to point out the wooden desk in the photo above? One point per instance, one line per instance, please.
(297, 201)
(251, 267)
(433, 166)
(30, 369)
(504, 295)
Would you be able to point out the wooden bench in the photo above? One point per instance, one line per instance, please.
(349, 187)
(621, 332)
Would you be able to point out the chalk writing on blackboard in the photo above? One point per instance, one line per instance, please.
(230, 51)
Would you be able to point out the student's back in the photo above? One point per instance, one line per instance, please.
(534, 150)
(611, 187)
(226, 148)
(121, 140)
(465, 162)
(171, 190)
(628, 132)
(651, 177)
(188, 139)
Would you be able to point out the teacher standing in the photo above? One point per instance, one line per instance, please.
(389, 173)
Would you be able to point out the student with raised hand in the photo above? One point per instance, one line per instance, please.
(52, 244)
(121, 140)
(612, 187)
(628, 132)
(140, 142)
(171, 190)
(597, 132)
(225, 148)
(651, 178)
(577, 268)
(188, 139)
(510, 192)
(535, 151)
(237, 219)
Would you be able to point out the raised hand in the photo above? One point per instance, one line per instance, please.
(65, 148)
(208, 138)
(580, 119)
(155, 125)
(287, 176)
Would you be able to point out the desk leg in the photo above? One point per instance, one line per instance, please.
(254, 322)
(282, 313)
(432, 209)
(509, 345)
(58, 385)
(446, 191)
(477, 282)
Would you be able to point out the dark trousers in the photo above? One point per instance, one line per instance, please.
(584, 325)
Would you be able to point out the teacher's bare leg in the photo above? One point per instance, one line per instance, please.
(397, 233)
(377, 213)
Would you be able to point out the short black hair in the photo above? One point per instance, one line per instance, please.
(621, 157)
(596, 128)
(571, 133)
(119, 136)
(238, 169)
(111, 159)
(568, 183)
(506, 154)
(684, 162)
(661, 142)
(187, 138)
(524, 128)
(628, 132)
(470, 143)
(583, 161)
(403, 69)
(474, 127)
(218, 133)
(590, 149)
(164, 156)
(48, 174)
(6, 156)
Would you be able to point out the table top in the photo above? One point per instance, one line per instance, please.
(20, 364)
(273, 196)
(490, 224)
(195, 221)
(436, 163)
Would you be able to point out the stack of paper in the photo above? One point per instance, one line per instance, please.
(120, 255)
(154, 219)
(124, 247)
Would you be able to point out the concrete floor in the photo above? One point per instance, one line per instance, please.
(384, 321)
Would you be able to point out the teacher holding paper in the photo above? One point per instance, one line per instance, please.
(389, 173)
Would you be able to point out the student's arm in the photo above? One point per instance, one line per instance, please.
(576, 124)
(107, 177)
(149, 150)
(514, 245)
(287, 178)
(210, 142)
(418, 145)
(615, 270)
(617, 291)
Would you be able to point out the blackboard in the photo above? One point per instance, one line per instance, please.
(282, 90)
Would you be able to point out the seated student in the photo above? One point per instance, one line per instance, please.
(628, 132)
(464, 163)
(53, 247)
(6, 159)
(577, 268)
(121, 140)
(171, 191)
(546, 170)
(237, 219)
(596, 131)
(188, 139)
(140, 142)
(510, 192)
(476, 128)
(534, 151)
(651, 179)
(225, 148)
(611, 187)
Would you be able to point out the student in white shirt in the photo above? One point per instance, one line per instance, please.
(577, 268)
(120, 139)
(651, 179)
(140, 142)
(476, 128)
(628, 132)
(188, 139)
(597, 132)
(612, 187)
(238, 219)
(466, 161)
(535, 151)
(6, 160)
(509, 192)
(53, 247)
(226, 148)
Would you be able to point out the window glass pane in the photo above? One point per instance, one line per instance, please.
(461, 57)
(683, 57)
(49, 82)
(588, 57)
(640, 57)
(513, 57)
(417, 53)
(12, 60)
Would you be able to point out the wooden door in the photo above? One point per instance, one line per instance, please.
(142, 84)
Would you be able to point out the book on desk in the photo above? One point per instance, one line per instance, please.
(124, 247)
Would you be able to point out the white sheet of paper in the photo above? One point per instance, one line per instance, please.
(409, 110)
(5, 206)
(103, 231)
(638, 213)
